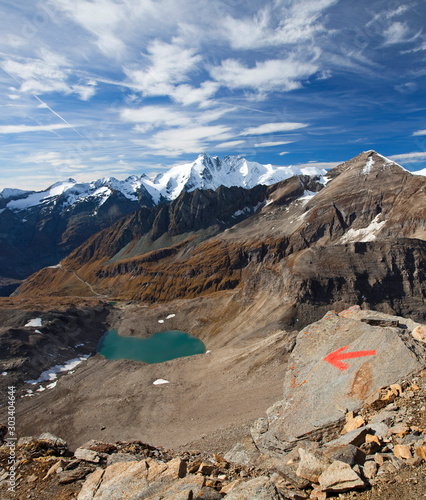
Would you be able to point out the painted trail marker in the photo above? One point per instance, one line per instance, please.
(335, 358)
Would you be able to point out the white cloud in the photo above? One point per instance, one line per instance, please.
(271, 144)
(270, 128)
(178, 141)
(51, 157)
(19, 129)
(149, 117)
(283, 153)
(273, 74)
(409, 157)
(419, 132)
(155, 116)
(292, 23)
(229, 144)
(395, 33)
(100, 18)
(49, 73)
(186, 94)
(168, 65)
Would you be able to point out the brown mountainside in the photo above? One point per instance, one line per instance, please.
(361, 239)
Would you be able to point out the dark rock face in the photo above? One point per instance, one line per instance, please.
(42, 235)
(388, 276)
(63, 335)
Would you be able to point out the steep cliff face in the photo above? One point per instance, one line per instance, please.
(360, 239)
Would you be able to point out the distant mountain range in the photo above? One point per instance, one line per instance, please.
(205, 172)
(38, 229)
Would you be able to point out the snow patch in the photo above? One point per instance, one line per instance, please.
(307, 195)
(247, 210)
(34, 322)
(364, 234)
(160, 381)
(4, 374)
(161, 321)
(420, 172)
(170, 316)
(367, 168)
(51, 373)
(11, 192)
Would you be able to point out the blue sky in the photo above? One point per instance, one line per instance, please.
(118, 87)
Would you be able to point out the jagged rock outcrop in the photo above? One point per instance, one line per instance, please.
(336, 363)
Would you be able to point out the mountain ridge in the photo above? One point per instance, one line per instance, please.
(370, 215)
(205, 172)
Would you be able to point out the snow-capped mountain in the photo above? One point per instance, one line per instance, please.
(70, 192)
(205, 172)
(208, 172)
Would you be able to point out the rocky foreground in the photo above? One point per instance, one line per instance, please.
(351, 424)
(379, 453)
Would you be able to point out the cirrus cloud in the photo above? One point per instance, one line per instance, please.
(270, 128)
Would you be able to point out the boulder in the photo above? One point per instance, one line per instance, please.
(370, 469)
(355, 437)
(402, 451)
(352, 424)
(420, 451)
(91, 485)
(87, 455)
(206, 469)
(259, 488)
(339, 477)
(349, 454)
(419, 333)
(70, 476)
(287, 472)
(335, 365)
(240, 454)
(311, 466)
(118, 480)
(52, 439)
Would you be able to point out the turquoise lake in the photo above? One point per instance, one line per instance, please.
(160, 347)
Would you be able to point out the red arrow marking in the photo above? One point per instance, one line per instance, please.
(335, 358)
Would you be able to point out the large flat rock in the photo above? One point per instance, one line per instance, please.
(337, 362)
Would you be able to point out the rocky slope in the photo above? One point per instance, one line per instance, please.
(360, 239)
(362, 435)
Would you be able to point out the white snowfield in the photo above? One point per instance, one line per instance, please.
(35, 323)
(364, 234)
(52, 373)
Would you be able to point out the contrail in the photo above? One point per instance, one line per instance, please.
(57, 114)
(45, 105)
